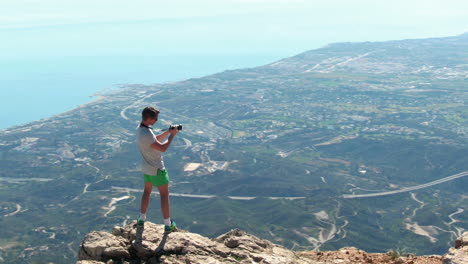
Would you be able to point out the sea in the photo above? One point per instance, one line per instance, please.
(37, 88)
(48, 68)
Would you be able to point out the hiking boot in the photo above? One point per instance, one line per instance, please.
(171, 228)
(140, 222)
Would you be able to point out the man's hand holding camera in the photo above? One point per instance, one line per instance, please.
(174, 129)
(173, 132)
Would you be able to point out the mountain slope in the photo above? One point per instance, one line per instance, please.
(272, 150)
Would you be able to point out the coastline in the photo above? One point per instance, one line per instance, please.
(96, 97)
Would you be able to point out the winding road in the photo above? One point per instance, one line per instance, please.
(122, 113)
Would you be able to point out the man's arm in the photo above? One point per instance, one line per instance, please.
(162, 147)
(163, 135)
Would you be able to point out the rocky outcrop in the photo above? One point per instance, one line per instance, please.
(151, 244)
(102, 245)
(129, 244)
(352, 255)
(459, 253)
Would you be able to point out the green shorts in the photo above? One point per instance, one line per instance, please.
(161, 178)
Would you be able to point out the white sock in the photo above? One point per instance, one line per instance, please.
(167, 221)
(143, 216)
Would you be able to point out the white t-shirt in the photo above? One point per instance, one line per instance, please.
(152, 159)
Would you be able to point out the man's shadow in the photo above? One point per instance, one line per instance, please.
(160, 249)
(139, 234)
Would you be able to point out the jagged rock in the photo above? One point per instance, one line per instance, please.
(191, 259)
(462, 241)
(352, 255)
(102, 246)
(236, 238)
(459, 253)
(152, 245)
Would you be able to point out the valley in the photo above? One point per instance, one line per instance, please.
(353, 144)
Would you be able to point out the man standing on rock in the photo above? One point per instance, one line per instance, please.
(155, 174)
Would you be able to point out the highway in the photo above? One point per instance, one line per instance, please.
(346, 196)
(408, 189)
(207, 196)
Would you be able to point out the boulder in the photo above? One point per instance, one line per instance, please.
(459, 253)
(101, 246)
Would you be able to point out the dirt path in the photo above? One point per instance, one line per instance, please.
(18, 209)
(452, 220)
(111, 206)
(414, 226)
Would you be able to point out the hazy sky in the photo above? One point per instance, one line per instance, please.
(101, 27)
(59, 52)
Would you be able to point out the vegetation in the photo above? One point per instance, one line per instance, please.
(277, 147)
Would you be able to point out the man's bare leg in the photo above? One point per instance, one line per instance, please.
(165, 207)
(145, 199)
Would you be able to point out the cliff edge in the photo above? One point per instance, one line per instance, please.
(150, 244)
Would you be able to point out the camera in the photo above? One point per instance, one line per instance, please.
(178, 127)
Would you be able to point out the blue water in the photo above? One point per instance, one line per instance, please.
(40, 78)
(36, 88)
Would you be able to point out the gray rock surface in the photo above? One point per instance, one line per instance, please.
(151, 244)
(148, 245)
(459, 253)
(102, 245)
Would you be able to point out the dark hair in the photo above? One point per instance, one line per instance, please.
(149, 112)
